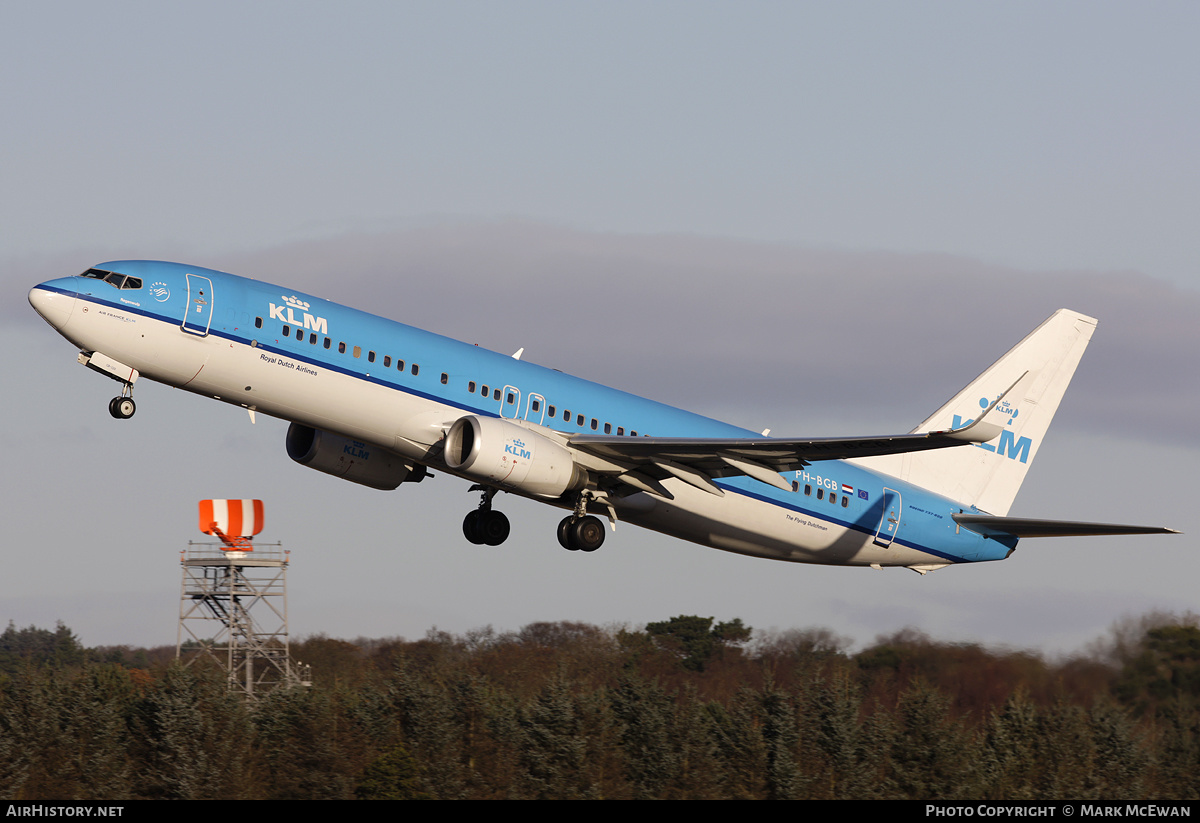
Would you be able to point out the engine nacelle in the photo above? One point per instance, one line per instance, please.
(506, 455)
(349, 459)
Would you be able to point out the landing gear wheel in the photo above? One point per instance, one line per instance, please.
(587, 533)
(473, 527)
(122, 408)
(484, 526)
(583, 534)
(564, 534)
(493, 527)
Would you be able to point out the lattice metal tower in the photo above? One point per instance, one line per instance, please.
(233, 602)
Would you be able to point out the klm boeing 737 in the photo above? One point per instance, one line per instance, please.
(380, 403)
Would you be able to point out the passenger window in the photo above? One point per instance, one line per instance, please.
(608, 428)
(387, 361)
(299, 334)
(620, 431)
(471, 387)
(445, 378)
(341, 348)
(495, 394)
(327, 342)
(509, 398)
(287, 331)
(486, 391)
(370, 357)
(595, 424)
(258, 322)
(820, 494)
(550, 410)
(358, 351)
(415, 369)
(845, 501)
(536, 405)
(312, 339)
(579, 420)
(400, 365)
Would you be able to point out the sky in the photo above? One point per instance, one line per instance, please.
(820, 218)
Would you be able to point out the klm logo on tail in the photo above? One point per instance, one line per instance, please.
(1010, 446)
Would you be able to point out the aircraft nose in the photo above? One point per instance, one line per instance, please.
(54, 307)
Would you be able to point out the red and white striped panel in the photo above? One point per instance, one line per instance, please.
(236, 518)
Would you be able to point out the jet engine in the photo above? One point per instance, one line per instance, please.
(349, 459)
(501, 453)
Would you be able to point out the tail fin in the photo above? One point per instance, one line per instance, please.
(988, 475)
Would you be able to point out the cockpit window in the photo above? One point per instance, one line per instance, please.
(117, 281)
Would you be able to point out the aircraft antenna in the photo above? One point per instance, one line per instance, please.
(223, 583)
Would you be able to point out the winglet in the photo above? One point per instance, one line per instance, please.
(990, 423)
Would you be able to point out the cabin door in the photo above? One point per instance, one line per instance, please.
(197, 315)
(889, 522)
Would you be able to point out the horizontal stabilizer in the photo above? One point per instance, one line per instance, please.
(990, 526)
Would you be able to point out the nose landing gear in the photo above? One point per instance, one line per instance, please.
(123, 407)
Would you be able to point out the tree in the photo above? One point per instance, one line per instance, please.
(1165, 666)
(194, 738)
(39, 647)
(392, 776)
(694, 639)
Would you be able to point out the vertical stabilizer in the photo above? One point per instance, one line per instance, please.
(988, 475)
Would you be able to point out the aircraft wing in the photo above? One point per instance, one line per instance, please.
(990, 526)
(642, 463)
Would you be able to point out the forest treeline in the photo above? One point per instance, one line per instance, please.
(687, 707)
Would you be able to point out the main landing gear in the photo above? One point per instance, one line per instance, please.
(580, 531)
(581, 534)
(123, 407)
(484, 525)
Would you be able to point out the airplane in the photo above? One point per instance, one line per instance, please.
(380, 403)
